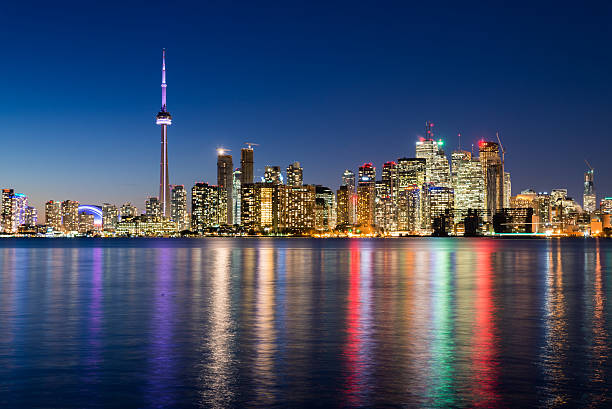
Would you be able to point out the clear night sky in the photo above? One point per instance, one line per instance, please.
(331, 86)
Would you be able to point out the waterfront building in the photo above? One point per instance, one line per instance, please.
(343, 195)
(514, 220)
(225, 179)
(208, 206)
(179, 207)
(365, 196)
(507, 189)
(589, 199)
(605, 205)
(468, 184)
(8, 211)
(153, 207)
(30, 216)
(295, 174)
(409, 209)
(410, 172)
(492, 170)
(53, 215)
(164, 119)
(297, 208)
(272, 174)
(236, 197)
(325, 206)
(389, 178)
(440, 210)
(20, 206)
(70, 216)
(127, 210)
(110, 217)
(146, 226)
(86, 223)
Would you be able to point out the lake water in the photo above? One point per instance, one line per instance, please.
(305, 322)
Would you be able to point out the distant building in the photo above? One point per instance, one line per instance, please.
(225, 179)
(344, 206)
(153, 207)
(468, 184)
(295, 174)
(297, 207)
(365, 196)
(110, 217)
(437, 170)
(208, 206)
(272, 174)
(236, 197)
(127, 210)
(31, 216)
(179, 207)
(53, 215)
(605, 205)
(492, 170)
(246, 165)
(348, 179)
(441, 203)
(86, 223)
(8, 211)
(325, 208)
(70, 215)
(589, 199)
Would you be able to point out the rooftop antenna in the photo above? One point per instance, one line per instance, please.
(251, 144)
(503, 151)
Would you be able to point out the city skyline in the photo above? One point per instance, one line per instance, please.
(92, 164)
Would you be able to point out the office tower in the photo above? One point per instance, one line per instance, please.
(246, 165)
(295, 175)
(8, 211)
(558, 195)
(53, 215)
(264, 205)
(348, 179)
(325, 204)
(153, 207)
(441, 201)
(410, 171)
(70, 215)
(468, 184)
(272, 174)
(389, 178)
(437, 171)
(179, 207)
(365, 195)
(605, 205)
(507, 189)
(127, 210)
(164, 119)
(297, 207)
(589, 200)
(385, 216)
(225, 179)
(409, 209)
(110, 217)
(248, 212)
(208, 206)
(492, 171)
(543, 213)
(343, 195)
(86, 223)
(236, 198)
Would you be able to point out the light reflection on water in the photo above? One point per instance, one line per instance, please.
(348, 323)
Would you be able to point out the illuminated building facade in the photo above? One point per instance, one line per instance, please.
(365, 195)
(86, 223)
(409, 209)
(70, 215)
(492, 170)
(225, 179)
(146, 227)
(110, 217)
(127, 210)
(236, 197)
(437, 170)
(153, 207)
(605, 205)
(325, 208)
(441, 202)
(343, 206)
(179, 207)
(246, 165)
(295, 174)
(20, 206)
(589, 199)
(297, 207)
(208, 206)
(507, 189)
(164, 119)
(8, 211)
(468, 184)
(348, 179)
(272, 174)
(53, 215)
(31, 216)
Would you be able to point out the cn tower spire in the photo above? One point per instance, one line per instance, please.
(164, 119)
(163, 84)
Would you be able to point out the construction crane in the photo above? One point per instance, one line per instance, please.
(589, 165)
(251, 144)
(222, 151)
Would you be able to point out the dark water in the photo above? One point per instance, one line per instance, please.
(248, 322)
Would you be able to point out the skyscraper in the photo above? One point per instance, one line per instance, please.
(365, 195)
(236, 197)
(344, 206)
(208, 206)
(8, 211)
(225, 179)
(295, 175)
(164, 119)
(589, 200)
(179, 207)
(110, 217)
(20, 206)
(492, 171)
(70, 215)
(348, 179)
(468, 184)
(31, 216)
(127, 210)
(437, 171)
(153, 207)
(53, 215)
(246, 165)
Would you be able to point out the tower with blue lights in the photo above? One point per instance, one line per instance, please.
(164, 119)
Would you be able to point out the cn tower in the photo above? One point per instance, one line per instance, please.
(164, 119)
